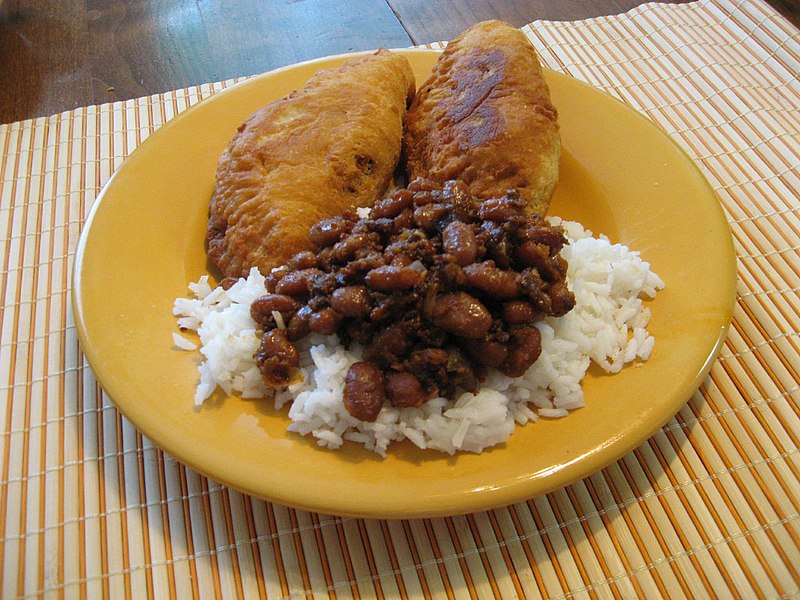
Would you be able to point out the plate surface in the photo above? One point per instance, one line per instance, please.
(621, 176)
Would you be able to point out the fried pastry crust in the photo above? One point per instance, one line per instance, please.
(485, 117)
(316, 153)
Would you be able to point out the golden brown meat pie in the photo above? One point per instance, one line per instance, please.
(485, 117)
(321, 150)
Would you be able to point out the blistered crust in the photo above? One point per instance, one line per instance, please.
(321, 150)
(485, 117)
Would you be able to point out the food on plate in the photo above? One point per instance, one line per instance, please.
(443, 313)
(607, 327)
(318, 152)
(436, 287)
(485, 117)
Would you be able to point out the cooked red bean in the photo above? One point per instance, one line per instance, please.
(425, 191)
(391, 278)
(405, 220)
(550, 268)
(383, 226)
(500, 209)
(428, 216)
(353, 244)
(461, 314)
(401, 260)
(351, 301)
(325, 258)
(558, 269)
(302, 260)
(298, 324)
(296, 283)
(364, 393)
(519, 312)
(262, 307)
(490, 353)
(549, 236)
(325, 321)
(420, 184)
(458, 240)
(392, 206)
(492, 281)
(273, 277)
(524, 348)
(328, 231)
(277, 358)
(563, 300)
(532, 254)
(404, 390)
(464, 205)
(228, 282)
(436, 287)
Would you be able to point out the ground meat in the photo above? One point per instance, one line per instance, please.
(437, 287)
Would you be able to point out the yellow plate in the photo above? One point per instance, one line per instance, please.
(143, 243)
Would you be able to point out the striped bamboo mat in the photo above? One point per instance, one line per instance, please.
(708, 507)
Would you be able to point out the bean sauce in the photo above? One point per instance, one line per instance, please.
(437, 286)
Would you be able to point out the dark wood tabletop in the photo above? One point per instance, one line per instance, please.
(59, 55)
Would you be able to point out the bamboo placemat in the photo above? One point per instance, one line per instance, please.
(706, 508)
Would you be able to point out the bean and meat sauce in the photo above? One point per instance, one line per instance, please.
(436, 286)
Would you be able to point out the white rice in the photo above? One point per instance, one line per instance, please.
(607, 326)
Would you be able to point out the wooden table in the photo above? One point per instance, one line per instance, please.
(55, 56)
